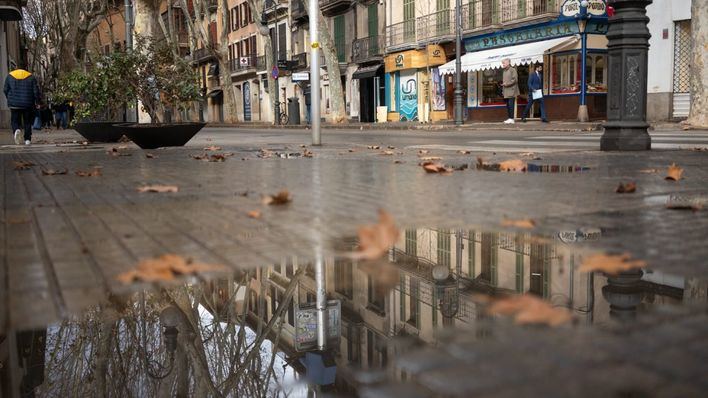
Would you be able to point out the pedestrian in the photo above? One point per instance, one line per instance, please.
(535, 84)
(510, 89)
(61, 110)
(22, 93)
(308, 104)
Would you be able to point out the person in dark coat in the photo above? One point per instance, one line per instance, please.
(535, 84)
(22, 93)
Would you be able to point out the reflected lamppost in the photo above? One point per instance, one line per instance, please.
(624, 293)
(170, 318)
(447, 292)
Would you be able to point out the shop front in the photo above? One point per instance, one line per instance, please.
(555, 45)
(409, 76)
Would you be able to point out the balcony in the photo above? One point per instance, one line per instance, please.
(335, 7)
(299, 61)
(298, 11)
(244, 64)
(439, 25)
(202, 55)
(401, 35)
(271, 6)
(367, 49)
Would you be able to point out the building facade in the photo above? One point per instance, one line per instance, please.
(11, 54)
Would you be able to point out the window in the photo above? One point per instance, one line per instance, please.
(411, 242)
(489, 258)
(596, 73)
(353, 344)
(409, 20)
(564, 78)
(289, 267)
(376, 297)
(376, 352)
(414, 304)
(490, 89)
(443, 247)
(343, 278)
(340, 38)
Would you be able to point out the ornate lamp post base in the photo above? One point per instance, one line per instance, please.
(627, 48)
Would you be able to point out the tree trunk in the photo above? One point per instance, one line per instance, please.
(698, 115)
(338, 112)
(256, 8)
(222, 54)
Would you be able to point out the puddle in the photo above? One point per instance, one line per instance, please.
(219, 338)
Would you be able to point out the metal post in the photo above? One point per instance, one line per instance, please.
(627, 48)
(583, 108)
(458, 64)
(128, 25)
(321, 302)
(313, 13)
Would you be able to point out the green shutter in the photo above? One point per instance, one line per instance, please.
(339, 38)
(409, 20)
(373, 29)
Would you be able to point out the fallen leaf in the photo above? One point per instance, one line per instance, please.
(307, 154)
(391, 147)
(375, 240)
(212, 148)
(429, 158)
(526, 223)
(202, 156)
(699, 149)
(629, 187)
(649, 171)
(165, 268)
(611, 264)
(528, 309)
(96, 172)
(118, 151)
(674, 173)
(374, 147)
(463, 152)
(22, 165)
(387, 153)
(52, 172)
(303, 146)
(281, 198)
(527, 154)
(351, 150)
(150, 155)
(158, 188)
(423, 152)
(254, 214)
(434, 167)
(512, 165)
(461, 167)
(397, 161)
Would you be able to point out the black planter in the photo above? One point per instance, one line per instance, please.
(151, 136)
(100, 131)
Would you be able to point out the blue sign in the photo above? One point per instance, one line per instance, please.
(523, 35)
(275, 72)
(247, 101)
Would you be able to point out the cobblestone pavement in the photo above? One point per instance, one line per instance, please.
(66, 238)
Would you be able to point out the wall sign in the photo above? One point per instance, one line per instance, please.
(472, 100)
(301, 76)
(408, 90)
(510, 38)
(571, 8)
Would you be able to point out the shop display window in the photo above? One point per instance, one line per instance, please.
(565, 75)
(492, 93)
(596, 73)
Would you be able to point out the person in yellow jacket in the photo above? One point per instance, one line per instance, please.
(23, 96)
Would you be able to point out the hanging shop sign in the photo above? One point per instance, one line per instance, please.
(433, 55)
(301, 76)
(572, 8)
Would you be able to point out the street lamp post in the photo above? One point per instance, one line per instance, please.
(627, 48)
(582, 25)
(313, 15)
(447, 292)
(458, 64)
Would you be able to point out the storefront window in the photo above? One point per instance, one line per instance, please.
(491, 90)
(596, 73)
(565, 74)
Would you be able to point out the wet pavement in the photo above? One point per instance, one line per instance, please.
(67, 317)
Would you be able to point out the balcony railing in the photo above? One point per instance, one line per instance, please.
(334, 7)
(298, 10)
(260, 63)
(475, 14)
(299, 61)
(367, 48)
(244, 63)
(202, 54)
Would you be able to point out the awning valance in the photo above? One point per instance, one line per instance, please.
(366, 72)
(523, 54)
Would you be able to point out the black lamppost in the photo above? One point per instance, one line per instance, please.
(628, 48)
(170, 318)
(458, 64)
(583, 17)
(447, 292)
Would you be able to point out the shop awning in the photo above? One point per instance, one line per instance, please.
(366, 72)
(522, 54)
(215, 93)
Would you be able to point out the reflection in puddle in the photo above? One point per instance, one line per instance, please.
(251, 335)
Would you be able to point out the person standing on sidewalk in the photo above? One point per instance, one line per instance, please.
(510, 89)
(22, 93)
(535, 84)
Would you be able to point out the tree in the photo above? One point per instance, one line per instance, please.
(338, 112)
(256, 7)
(698, 114)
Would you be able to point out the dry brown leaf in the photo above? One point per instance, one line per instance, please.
(96, 172)
(281, 198)
(375, 240)
(611, 264)
(391, 147)
(307, 154)
(526, 223)
(464, 152)
(165, 268)
(674, 173)
(254, 214)
(434, 167)
(629, 187)
(52, 172)
(158, 188)
(512, 165)
(387, 153)
(397, 161)
(374, 147)
(212, 148)
(528, 309)
(351, 150)
(150, 155)
(118, 151)
(423, 152)
(22, 165)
